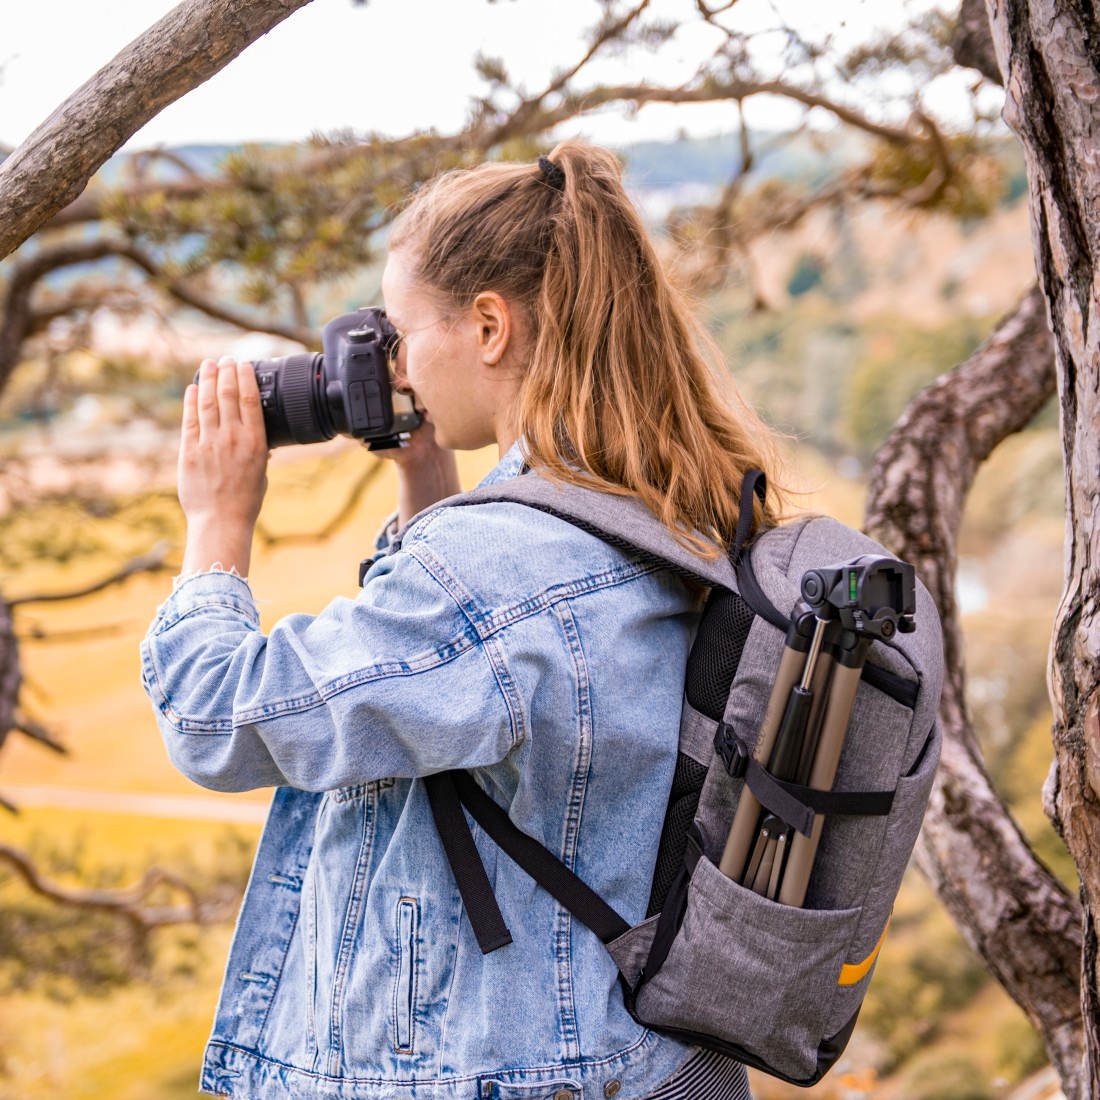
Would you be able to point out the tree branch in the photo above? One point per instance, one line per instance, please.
(16, 314)
(972, 44)
(179, 52)
(129, 902)
(11, 672)
(19, 319)
(39, 634)
(713, 90)
(1021, 920)
(155, 561)
(517, 121)
(932, 187)
(140, 164)
(37, 732)
(186, 294)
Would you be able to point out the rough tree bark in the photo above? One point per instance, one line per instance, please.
(1049, 56)
(179, 52)
(1014, 913)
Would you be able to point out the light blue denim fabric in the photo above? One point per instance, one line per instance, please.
(498, 639)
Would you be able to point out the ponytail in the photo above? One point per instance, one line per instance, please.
(617, 393)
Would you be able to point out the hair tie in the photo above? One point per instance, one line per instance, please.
(552, 173)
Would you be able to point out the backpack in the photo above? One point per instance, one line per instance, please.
(775, 986)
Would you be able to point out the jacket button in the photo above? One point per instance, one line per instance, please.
(612, 1089)
(563, 1094)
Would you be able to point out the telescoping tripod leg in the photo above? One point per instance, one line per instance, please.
(834, 727)
(790, 761)
(746, 821)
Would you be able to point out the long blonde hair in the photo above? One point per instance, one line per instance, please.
(617, 392)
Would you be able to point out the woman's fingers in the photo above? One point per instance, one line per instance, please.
(251, 411)
(190, 426)
(208, 396)
(229, 405)
(225, 397)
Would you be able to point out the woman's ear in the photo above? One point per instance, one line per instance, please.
(493, 317)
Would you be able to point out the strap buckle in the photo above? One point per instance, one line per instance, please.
(735, 753)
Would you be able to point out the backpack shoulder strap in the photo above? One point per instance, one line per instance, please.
(621, 521)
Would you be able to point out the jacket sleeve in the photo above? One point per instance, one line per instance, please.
(396, 683)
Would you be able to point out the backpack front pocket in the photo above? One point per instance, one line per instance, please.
(759, 977)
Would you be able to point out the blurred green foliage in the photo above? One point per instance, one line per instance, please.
(924, 973)
(66, 528)
(66, 952)
(897, 359)
(934, 1076)
(836, 384)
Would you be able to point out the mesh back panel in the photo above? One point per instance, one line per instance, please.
(682, 802)
(712, 663)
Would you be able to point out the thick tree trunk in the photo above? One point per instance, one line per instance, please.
(1049, 55)
(1011, 909)
(183, 50)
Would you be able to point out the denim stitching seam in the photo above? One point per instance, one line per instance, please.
(571, 832)
(351, 922)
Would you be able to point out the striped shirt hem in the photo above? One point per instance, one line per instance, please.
(706, 1076)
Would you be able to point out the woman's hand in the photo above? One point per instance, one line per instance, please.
(222, 466)
(426, 472)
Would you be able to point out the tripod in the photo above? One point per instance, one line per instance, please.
(844, 609)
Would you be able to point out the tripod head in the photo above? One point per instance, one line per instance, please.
(873, 596)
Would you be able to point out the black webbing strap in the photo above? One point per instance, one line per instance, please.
(797, 805)
(754, 482)
(469, 872)
(453, 788)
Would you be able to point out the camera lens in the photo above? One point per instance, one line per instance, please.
(290, 394)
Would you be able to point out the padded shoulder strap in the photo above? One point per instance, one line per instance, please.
(623, 522)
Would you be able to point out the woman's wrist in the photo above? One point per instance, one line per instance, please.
(425, 482)
(217, 543)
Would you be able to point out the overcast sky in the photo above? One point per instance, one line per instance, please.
(391, 66)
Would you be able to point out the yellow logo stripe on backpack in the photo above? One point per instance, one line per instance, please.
(850, 973)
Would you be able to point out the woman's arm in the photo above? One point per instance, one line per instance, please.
(395, 683)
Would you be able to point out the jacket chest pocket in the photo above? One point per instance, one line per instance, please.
(404, 988)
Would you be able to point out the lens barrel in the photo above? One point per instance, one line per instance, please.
(291, 397)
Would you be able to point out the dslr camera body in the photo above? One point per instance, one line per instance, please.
(347, 389)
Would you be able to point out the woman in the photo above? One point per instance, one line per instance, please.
(534, 314)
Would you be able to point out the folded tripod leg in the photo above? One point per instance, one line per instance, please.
(742, 834)
(792, 708)
(791, 759)
(834, 728)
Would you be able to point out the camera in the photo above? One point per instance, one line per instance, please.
(345, 390)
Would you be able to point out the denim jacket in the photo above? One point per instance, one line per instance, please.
(497, 639)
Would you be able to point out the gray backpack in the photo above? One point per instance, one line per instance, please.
(776, 986)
